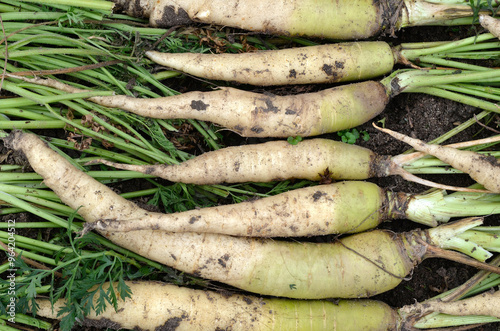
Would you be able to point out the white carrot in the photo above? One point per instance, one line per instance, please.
(483, 169)
(258, 115)
(264, 115)
(330, 63)
(155, 305)
(320, 64)
(358, 19)
(160, 306)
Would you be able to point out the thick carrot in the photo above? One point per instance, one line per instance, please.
(357, 19)
(356, 266)
(327, 63)
(311, 211)
(160, 306)
(313, 159)
(259, 115)
(483, 169)
(352, 20)
(305, 65)
(263, 115)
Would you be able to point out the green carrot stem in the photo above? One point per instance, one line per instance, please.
(8, 211)
(468, 89)
(439, 92)
(52, 98)
(54, 206)
(55, 124)
(45, 16)
(12, 177)
(490, 241)
(30, 320)
(25, 113)
(409, 80)
(428, 49)
(73, 51)
(197, 125)
(14, 189)
(30, 225)
(37, 211)
(33, 256)
(93, 4)
(161, 75)
(432, 60)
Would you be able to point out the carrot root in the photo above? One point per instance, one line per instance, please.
(483, 169)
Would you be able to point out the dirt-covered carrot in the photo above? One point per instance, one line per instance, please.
(156, 305)
(263, 115)
(314, 159)
(356, 266)
(341, 62)
(311, 211)
(491, 24)
(260, 115)
(305, 65)
(338, 20)
(483, 169)
(160, 306)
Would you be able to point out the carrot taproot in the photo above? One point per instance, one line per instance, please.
(161, 306)
(482, 168)
(326, 63)
(310, 211)
(378, 260)
(157, 305)
(358, 19)
(313, 159)
(258, 115)
(253, 114)
(329, 63)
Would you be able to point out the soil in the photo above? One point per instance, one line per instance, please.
(426, 118)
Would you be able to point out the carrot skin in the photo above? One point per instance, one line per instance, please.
(355, 19)
(155, 306)
(491, 24)
(261, 115)
(312, 159)
(258, 115)
(283, 269)
(330, 63)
